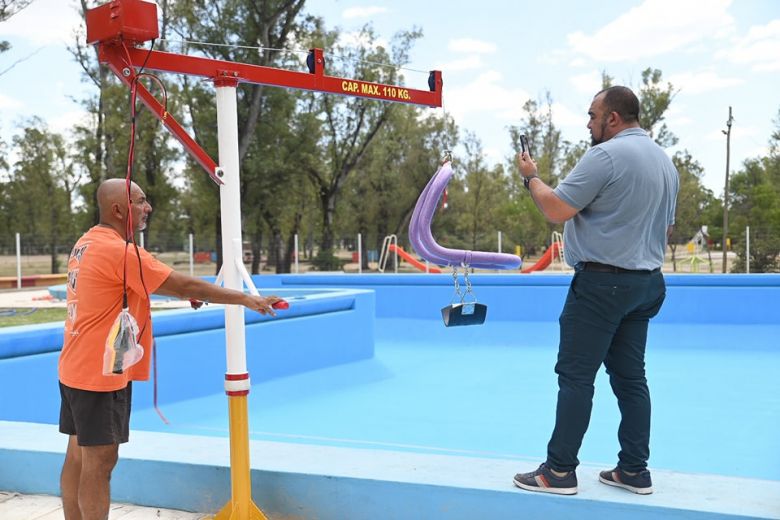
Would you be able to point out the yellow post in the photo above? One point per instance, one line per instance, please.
(240, 506)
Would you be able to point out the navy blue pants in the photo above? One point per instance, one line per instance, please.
(604, 320)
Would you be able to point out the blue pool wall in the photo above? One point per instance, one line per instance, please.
(740, 299)
(321, 329)
(333, 320)
(300, 482)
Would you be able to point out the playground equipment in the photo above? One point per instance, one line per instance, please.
(695, 247)
(552, 255)
(413, 261)
(117, 29)
(464, 308)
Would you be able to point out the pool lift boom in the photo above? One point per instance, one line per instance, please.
(117, 29)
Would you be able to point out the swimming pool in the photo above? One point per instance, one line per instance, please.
(488, 393)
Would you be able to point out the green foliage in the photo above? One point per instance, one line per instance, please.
(755, 202)
(37, 198)
(654, 101)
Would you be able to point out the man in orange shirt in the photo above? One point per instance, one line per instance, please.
(95, 409)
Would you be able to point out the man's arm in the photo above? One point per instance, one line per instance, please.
(183, 287)
(552, 207)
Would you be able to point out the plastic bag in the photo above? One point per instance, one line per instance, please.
(122, 347)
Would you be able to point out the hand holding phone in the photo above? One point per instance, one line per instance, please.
(524, 145)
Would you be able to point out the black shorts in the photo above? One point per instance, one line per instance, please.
(96, 418)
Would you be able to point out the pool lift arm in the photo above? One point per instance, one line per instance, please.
(117, 28)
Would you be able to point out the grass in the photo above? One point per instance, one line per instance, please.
(22, 316)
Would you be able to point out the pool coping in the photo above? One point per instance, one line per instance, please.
(317, 482)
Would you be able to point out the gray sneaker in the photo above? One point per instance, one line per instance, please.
(640, 483)
(545, 481)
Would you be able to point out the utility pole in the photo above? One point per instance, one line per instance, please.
(726, 191)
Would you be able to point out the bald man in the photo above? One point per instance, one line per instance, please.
(95, 408)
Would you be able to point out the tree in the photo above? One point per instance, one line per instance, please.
(756, 202)
(8, 8)
(236, 25)
(475, 210)
(40, 189)
(694, 202)
(554, 157)
(350, 124)
(407, 151)
(654, 101)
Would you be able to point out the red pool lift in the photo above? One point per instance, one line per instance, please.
(117, 28)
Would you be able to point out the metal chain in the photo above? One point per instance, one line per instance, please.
(468, 284)
(458, 294)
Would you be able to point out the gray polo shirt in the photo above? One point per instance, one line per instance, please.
(626, 192)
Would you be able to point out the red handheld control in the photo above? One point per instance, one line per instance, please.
(281, 305)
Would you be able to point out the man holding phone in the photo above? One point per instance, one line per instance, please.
(618, 206)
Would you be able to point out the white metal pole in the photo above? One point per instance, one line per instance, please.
(499, 241)
(395, 256)
(192, 256)
(18, 262)
(360, 253)
(142, 239)
(747, 249)
(296, 252)
(230, 210)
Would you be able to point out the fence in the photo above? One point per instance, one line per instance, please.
(23, 256)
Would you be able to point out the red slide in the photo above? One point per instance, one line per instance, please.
(545, 261)
(412, 260)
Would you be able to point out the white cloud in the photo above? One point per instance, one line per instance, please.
(359, 39)
(470, 45)
(487, 97)
(655, 27)
(67, 121)
(9, 103)
(43, 22)
(587, 83)
(738, 133)
(563, 116)
(703, 81)
(363, 12)
(467, 63)
(760, 48)
(678, 115)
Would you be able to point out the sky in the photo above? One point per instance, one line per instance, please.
(494, 55)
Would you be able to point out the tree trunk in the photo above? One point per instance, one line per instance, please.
(257, 250)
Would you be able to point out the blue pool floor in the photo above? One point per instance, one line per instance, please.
(490, 391)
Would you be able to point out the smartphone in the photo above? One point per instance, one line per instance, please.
(524, 144)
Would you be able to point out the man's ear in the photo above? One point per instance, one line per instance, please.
(116, 211)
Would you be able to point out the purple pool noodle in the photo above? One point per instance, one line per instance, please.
(422, 239)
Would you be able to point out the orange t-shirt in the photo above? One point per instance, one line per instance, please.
(95, 273)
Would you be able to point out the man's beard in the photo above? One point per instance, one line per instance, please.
(593, 140)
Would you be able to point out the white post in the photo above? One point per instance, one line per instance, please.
(360, 253)
(747, 249)
(142, 239)
(395, 256)
(499, 241)
(18, 262)
(192, 256)
(296, 253)
(230, 210)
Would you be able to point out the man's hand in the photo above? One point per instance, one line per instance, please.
(262, 304)
(526, 165)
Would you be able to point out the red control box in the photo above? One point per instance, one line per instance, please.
(134, 21)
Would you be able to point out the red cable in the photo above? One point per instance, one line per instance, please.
(129, 229)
